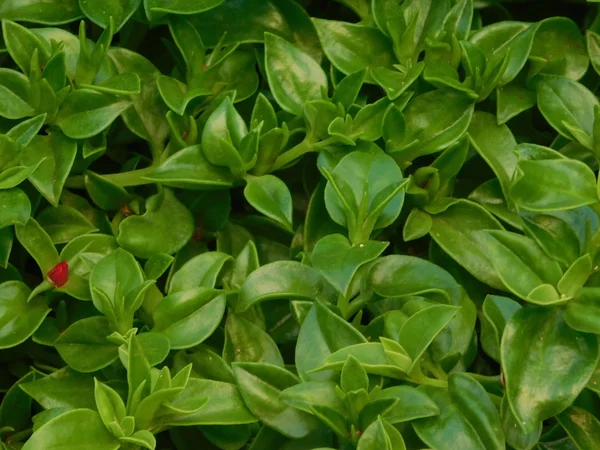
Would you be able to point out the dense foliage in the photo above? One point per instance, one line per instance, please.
(296, 225)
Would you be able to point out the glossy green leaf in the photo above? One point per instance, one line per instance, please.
(454, 230)
(166, 227)
(189, 169)
(294, 77)
(467, 417)
(399, 275)
(50, 13)
(351, 47)
(54, 155)
(246, 342)
(146, 116)
(65, 388)
(63, 223)
(434, 121)
(38, 244)
(270, 196)
(84, 346)
(322, 333)
(14, 94)
(581, 312)
(569, 107)
(15, 207)
(63, 431)
(85, 114)
(551, 343)
(520, 263)
(100, 12)
(282, 279)
(18, 317)
(581, 426)
(339, 261)
(188, 317)
(260, 386)
(560, 48)
(551, 185)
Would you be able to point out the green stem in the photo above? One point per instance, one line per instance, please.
(358, 303)
(132, 178)
(306, 146)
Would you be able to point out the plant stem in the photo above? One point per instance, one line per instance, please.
(306, 146)
(132, 178)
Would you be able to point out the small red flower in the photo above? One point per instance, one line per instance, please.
(59, 275)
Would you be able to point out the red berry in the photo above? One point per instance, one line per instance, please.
(59, 275)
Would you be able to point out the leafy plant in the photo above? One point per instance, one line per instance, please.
(296, 225)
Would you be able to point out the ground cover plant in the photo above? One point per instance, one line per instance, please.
(296, 225)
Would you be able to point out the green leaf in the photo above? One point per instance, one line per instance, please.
(14, 95)
(82, 254)
(157, 8)
(189, 169)
(55, 12)
(121, 84)
(339, 261)
(225, 405)
(38, 244)
(496, 144)
(353, 47)
(400, 276)
(54, 156)
(188, 317)
(560, 45)
(434, 120)
(520, 263)
(65, 389)
(535, 390)
(270, 196)
(553, 184)
(376, 437)
(21, 43)
(246, 342)
(294, 76)
(467, 415)
(113, 280)
(166, 227)
(85, 113)
(364, 192)
(63, 223)
(260, 386)
(348, 89)
(308, 394)
(84, 345)
(19, 318)
(581, 313)
(513, 99)
(282, 280)
(454, 230)
(322, 333)
(568, 106)
(421, 328)
(497, 311)
(412, 404)
(100, 12)
(64, 432)
(25, 131)
(109, 403)
(146, 117)
(581, 426)
(200, 271)
(15, 207)
(507, 43)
